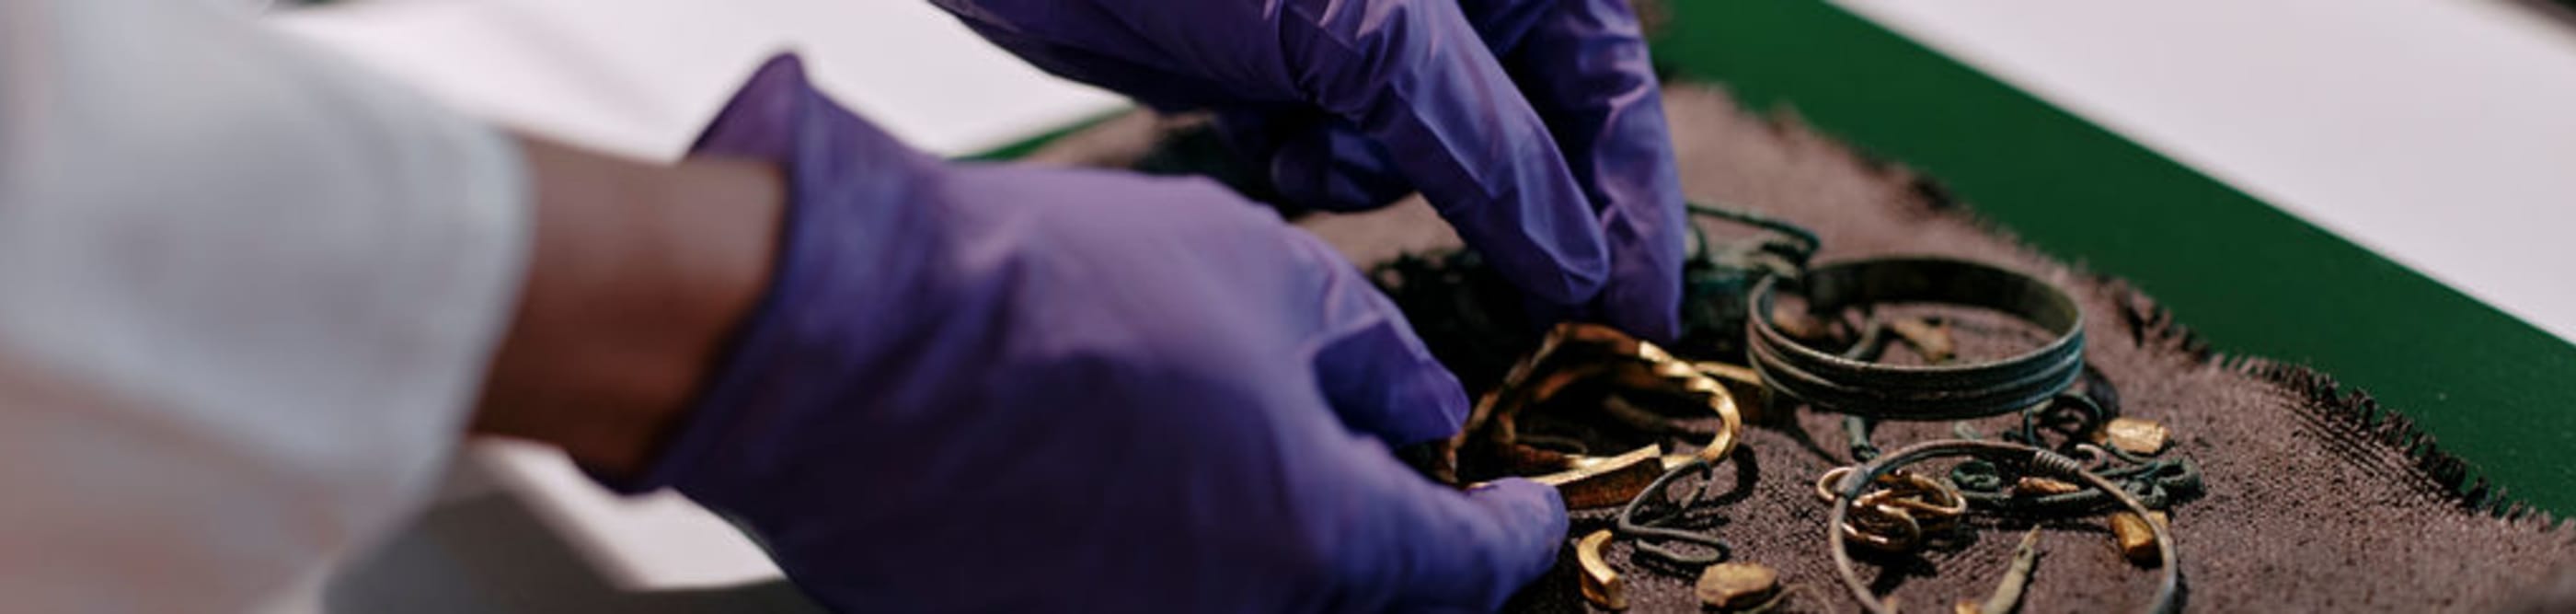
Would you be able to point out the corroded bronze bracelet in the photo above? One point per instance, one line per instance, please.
(1917, 392)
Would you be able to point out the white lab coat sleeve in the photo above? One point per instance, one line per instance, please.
(247, 293)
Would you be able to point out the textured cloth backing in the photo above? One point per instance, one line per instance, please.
(2317, 499)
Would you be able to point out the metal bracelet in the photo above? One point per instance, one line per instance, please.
(1917, 392)
(2040, 461)
(1575, 352)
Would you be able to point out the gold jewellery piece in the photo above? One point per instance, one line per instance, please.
(1593, 357)
(1605, 481)
(1601, 585)
(1902, 509)
(1575, 353)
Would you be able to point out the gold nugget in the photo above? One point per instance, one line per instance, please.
(2137, 540)
(1736, 586)
(2035, 486)
(2133, 435)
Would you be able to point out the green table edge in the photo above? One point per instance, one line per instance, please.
(2249, 278)
(1023, 147)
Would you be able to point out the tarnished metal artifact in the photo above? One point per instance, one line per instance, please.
(1917, 392)
(1847, 494)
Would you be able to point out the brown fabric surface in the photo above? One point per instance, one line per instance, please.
(2314, 502)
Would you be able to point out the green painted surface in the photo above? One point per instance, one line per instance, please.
(2250, 278)
(1030, 145)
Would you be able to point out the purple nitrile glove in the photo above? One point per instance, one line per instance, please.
(977, 387)
(1535, 126)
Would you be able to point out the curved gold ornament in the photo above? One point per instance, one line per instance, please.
(1573, 353)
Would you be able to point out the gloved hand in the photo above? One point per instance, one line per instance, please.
(1001, 388)
(1535, 126)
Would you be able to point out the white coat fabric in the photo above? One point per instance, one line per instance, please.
(246, 295)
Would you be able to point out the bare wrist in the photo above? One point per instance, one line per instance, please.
(638, 275)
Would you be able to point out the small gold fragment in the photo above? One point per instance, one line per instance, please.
(2036, 486)
(1896, 517)
(1881, 527)
(2136, 540)
(1601, 584)
(1605, 482)
(1798, 324)
(1736, 586)
(1930, 338)
(2133, 435)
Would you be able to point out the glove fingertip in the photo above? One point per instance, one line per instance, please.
(1444, 400)
(1532, 517)
(1457, 551)
(1375, 373)
(1383, 383)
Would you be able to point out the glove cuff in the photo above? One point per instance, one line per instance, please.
(853, 236)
